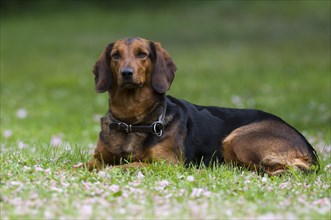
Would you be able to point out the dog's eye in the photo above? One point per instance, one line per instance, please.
(116, 56)
(141, 54)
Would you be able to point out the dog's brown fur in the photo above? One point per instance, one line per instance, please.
(248, 138)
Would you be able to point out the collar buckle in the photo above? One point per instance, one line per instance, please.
(121, 126)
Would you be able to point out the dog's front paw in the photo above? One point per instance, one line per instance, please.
(90, 166)
(79, 165)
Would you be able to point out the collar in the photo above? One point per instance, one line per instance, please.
(156, 127)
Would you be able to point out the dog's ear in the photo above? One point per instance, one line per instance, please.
(164, 68)
(102, 72)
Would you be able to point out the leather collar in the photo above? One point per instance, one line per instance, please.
(156, 127)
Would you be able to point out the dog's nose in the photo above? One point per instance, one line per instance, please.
(127, 72)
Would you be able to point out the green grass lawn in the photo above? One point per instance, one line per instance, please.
(273, 56)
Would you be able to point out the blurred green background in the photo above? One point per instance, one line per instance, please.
(270, 55)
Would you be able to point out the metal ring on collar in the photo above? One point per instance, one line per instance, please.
(158, 128)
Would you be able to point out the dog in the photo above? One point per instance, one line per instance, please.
(143, 124)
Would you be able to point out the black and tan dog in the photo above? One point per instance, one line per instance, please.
(143, 124)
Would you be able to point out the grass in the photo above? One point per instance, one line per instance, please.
(39, 187)
(257, 55)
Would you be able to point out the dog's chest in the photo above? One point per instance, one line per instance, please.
(122, 145)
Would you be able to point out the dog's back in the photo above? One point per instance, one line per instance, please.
(248, 137)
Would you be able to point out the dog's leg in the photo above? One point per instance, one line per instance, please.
(101, 158)
(93, 164)
(268, 146)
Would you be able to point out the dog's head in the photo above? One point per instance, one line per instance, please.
(134, 63)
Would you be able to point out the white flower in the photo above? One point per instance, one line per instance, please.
(322, 202)
(26, 168)
(7, 133)
(86, 210)
(48, 171)
(56, 141)
(65, 184)
(21, 113)
(21, 145)
(327, 168)
(56, 189)
(164, 183)
(140, 176)
(197, 192)
(48, 214)
(135, 183)
(114, 188)
(190, 178)
(16, 183)
(38, 168)
(285, 185)
(101, 173)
